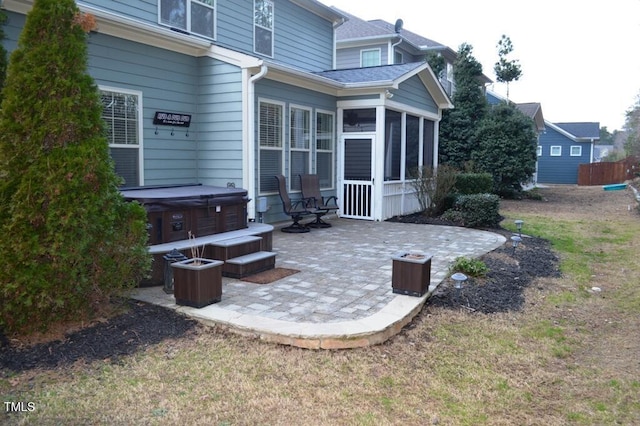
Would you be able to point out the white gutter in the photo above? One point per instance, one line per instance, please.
(392, 51)
(248, 142)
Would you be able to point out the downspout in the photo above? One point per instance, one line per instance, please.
(392, 52)
(249, 169)
(336, 24)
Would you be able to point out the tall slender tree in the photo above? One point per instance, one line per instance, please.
(506, 70)
(70, 241)
(458, 125)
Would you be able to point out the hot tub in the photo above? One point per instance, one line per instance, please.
(173, 211)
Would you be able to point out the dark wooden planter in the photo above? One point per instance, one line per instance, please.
(411, 273)
(197, 282)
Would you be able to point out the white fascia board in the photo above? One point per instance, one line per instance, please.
(561, 131)
(364, 41)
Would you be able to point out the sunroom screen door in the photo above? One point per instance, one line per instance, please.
(357, 191)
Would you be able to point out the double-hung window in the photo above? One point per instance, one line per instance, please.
(270, 135)
(300, 144)
(122, 115)
(370, 58)
(191, 16)
(325, 143)
(263, 27)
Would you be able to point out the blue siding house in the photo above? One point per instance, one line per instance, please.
(253, 90)
(564, 146)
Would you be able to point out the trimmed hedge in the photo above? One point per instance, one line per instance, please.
(474, 183)
(475, 210)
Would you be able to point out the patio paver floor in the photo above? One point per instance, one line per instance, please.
(342, 296)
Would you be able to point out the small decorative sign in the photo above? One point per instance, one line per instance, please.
(172, 119)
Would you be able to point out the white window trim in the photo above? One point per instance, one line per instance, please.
(282, 140)
(397, 52)
(188, 12)
(273, 30)
(579, 154)
(556, 154)
(363, 51)
(140, 144)
(539, 151)
(333, 146)
(310, 141)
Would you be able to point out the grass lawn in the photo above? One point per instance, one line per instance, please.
(569, 357)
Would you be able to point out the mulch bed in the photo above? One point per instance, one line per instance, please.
(142, 325)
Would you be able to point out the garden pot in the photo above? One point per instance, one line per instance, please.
(197, 282)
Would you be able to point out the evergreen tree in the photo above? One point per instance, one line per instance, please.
(632, 130)
(459, 124)
(69, 240)
(507, 142)
(3, 52)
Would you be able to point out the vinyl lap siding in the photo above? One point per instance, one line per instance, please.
(220, 123)
(302, 39)
(350, 57)
(141, 10)
(412, 92)
(168, 82)
(562, 169)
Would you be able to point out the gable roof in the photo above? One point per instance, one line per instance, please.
(390, 76)
(371, 74)
(578, 132)
(588, 130)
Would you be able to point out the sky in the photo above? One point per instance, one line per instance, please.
(580, 60)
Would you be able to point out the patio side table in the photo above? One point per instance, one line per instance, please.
(411, 273)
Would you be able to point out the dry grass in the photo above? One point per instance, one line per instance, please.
(570, 357)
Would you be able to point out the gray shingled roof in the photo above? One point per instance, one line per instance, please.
(356, 28)
(413, 38)
(370, 74)
(589, 130)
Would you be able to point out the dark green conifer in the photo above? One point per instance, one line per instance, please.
(69, 241)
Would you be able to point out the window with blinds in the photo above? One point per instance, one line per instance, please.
(270, 135)
(121, 113)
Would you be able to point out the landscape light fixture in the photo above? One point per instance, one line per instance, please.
(515, 240)
(519, 224)
(458, 279)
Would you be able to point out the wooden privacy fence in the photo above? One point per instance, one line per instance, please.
(607, 173)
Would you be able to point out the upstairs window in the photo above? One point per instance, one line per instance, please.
(576, 151)
(555, 151)
(190, 16)
(370, 58)
(263, 27)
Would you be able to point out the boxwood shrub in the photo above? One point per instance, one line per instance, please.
(475, 210)
(474, 183)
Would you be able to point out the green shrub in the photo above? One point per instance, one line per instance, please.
(470, 267)
(473, 183)
(70, 242)
(475, 210)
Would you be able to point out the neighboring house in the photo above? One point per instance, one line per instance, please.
(564, 146)
(532, 110)
(234, 92)
(361, 43)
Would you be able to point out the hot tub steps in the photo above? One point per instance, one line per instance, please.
(249, 264)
